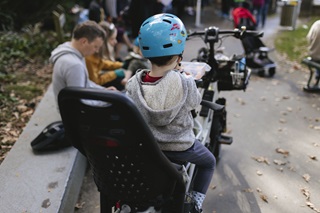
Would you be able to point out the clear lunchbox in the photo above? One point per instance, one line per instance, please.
(196, 69)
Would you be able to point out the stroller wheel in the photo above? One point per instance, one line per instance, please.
(272, 71)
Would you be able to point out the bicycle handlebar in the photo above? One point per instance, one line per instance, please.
(212, 33)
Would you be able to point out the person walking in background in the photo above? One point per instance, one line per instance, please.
(140, 10)
(265, 11)
(257, 10)
(69, 66)
(313, 38)
(96, 11)
(225, 8)
(110, 7)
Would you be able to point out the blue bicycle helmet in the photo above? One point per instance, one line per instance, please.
(162, 35)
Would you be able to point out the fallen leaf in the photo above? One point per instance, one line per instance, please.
(261, 160)
(282, 120)
(311, 205)
(22, 108)
(316, 127)
(264, 198)
(281, 169)
(312, 157)
(285, 97)
(291, 168)
(279, 162)
(306, 193)
(259, 173)
(289, 109)
(306, 177)
(79, 205)
(248, 190)
(213, 187)
(241, 101)
(282, 151)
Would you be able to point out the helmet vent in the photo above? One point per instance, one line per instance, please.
(145, 48)
(166, 20)
(145, 23)
(167, 45)
(169, 15)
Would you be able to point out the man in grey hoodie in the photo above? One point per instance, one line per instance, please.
(69, 66)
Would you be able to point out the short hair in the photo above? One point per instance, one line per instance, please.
(89, 30)
(161, 61)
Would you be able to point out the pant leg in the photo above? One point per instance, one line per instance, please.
(204, 161)
(264, 14)
(258, 12)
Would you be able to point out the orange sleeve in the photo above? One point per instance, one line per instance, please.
(94, 66)
(110, 65)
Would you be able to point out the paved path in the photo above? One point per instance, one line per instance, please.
(273, 113)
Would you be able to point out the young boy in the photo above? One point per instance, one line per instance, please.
(166, 97)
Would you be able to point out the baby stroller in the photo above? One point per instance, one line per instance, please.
(256, 52)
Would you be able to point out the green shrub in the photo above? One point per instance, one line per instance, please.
(24, 46)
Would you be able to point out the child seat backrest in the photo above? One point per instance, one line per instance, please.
(125, 158)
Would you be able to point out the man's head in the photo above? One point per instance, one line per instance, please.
(162, 35)
(88, 37)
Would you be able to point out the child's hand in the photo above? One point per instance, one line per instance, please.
(127, 76)
(111, 88)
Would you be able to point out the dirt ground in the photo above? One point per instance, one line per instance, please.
(21, 89)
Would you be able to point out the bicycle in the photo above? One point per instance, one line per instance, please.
(129, 169)
(224, 73)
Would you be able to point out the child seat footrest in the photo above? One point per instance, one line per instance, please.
(224, 139)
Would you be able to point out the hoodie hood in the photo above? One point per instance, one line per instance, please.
(166, 105)
(162, 99)
(63, 49)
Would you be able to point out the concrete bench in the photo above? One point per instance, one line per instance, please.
(312, 65)
(46, 182)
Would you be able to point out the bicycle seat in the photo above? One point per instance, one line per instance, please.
(126, 161)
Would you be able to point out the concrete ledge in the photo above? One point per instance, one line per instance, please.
(46, 182)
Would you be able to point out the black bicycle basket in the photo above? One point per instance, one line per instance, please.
(232, 74)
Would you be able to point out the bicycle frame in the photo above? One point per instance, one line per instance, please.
(210, 135)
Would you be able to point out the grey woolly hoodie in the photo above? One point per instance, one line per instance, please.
(69, 69)
(166, 105)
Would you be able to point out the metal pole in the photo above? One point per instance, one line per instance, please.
(198, 14)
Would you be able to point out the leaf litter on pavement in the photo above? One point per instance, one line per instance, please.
(306, 177)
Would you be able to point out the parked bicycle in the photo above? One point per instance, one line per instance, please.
(225, 74)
